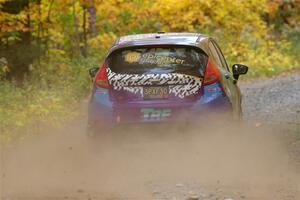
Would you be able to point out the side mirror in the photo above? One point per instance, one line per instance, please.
(239, 69)
(93, 71)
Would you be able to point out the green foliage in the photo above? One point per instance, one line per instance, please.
(47, 98)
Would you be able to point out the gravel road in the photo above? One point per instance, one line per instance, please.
(270, 102)
(258, 161)
(274, 100)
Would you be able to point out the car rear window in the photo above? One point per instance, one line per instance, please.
(155, 60)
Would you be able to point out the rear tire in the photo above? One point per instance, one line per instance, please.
(94, 130)
(98, 137)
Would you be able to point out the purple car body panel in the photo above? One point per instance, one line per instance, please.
(103, 111)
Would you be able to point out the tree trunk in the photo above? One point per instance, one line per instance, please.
(92, 17)
(39, 32)
(76, 32)
(84, 50)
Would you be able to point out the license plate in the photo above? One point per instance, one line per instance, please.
(156, 92)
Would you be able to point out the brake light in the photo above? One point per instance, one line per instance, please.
(212, 74)
(101, 79)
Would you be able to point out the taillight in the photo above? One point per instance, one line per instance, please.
(212, 74)
(101, 79)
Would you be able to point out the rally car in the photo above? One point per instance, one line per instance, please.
(163, 77)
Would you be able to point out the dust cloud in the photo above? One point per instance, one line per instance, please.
(140, 162)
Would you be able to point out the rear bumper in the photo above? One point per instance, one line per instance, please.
(103, 113)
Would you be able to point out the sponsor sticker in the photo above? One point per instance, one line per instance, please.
(151, 58)
(132, 57)
(153, 114)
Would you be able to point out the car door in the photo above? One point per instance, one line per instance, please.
(228, 82)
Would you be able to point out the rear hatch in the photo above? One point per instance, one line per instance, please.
(156, 75)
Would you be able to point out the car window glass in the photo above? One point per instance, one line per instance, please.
(220, 54)
(215, 54)
(151, 59)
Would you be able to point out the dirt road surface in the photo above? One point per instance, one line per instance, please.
(258, 160)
